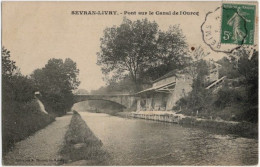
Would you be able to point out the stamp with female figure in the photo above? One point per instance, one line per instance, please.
(237, 26)
(229, 27)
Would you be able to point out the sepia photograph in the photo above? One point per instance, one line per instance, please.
(129, 83)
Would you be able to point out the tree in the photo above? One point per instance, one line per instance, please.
(129, 47)
(8, 66)
(136, 46)
(172, 47)
(195, 61)
(172, 54)
(199, 95)
(228, 68)
(199, 99)
(248, 68)
(56, 81)
(21, 114)
(15, 86)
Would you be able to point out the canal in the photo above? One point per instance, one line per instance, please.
(144, 142)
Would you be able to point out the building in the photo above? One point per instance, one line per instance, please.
(171, 87)
(165, 92)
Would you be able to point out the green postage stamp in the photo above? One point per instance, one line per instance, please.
(238, 22)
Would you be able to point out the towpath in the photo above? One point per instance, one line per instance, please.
(42, 148)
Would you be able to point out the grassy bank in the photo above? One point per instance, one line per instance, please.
(20, 120)
(81, 145)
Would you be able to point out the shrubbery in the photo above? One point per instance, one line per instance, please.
(21, 114)
(20, 111)
(236, 99)
(19, 88)
(21, 119)
(227, 96)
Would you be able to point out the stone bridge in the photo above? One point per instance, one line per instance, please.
(126, 100)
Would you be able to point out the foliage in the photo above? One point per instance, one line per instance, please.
(56, 81)
(20, 112)
(248, 68)
(199, 96)
(128, 47)
(172, 54)
(227, 96)
(202, 71)
(15, 87)
(125, 85)
(195, 61)
(8, 66)
(156, 72)
(228, 68)
(236, 99)
(135, 47)
(19, 88)
(81, 91)
(20, 120)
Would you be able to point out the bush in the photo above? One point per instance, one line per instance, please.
(250, 114)
(229, 96)
(21, 120)
(21, 114)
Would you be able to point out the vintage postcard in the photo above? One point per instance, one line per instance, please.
(130, 83)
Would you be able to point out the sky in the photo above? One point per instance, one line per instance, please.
(34, 32)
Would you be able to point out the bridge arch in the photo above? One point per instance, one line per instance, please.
(125, 100)
(113, 102)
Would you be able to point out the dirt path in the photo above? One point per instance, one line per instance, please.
(42, 148)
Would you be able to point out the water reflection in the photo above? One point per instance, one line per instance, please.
(141, 142)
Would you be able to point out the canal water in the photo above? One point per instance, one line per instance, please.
(144, 142)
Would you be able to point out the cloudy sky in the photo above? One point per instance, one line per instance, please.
(34, 32)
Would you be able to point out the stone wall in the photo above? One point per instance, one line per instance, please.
(182, 88)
